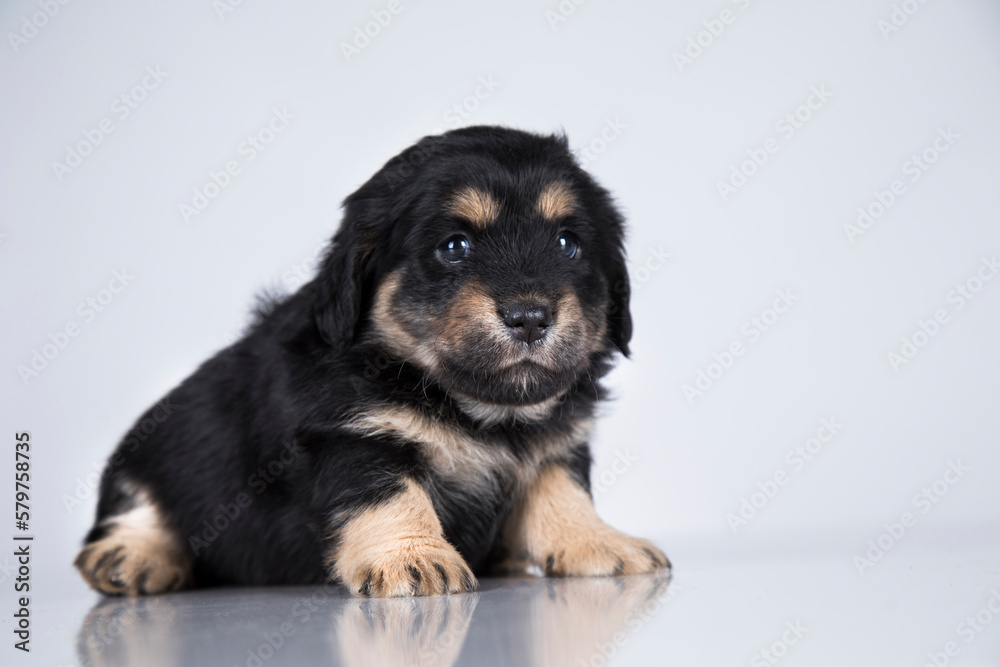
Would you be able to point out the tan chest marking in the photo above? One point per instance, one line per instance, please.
(455, 453)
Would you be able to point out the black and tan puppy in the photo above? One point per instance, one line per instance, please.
(417, 413)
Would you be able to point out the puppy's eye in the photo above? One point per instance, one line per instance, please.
(569, 244)
(455, 249)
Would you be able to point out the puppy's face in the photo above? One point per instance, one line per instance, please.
(503, 277)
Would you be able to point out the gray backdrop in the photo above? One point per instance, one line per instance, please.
(740, 139)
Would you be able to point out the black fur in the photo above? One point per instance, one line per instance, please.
(262, 419)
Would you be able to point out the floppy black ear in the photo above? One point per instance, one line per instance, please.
(363, 247)
(341, 283)
(619, 316)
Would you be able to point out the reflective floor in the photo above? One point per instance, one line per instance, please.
(760, 611)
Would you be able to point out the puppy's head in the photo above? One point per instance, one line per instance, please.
(486, 257)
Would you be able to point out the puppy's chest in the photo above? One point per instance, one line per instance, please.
(475, 485)
(474, 475)
(475, 461)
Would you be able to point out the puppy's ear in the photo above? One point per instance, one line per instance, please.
(341, 280)
(356, 260)
(619, 316)
(367, 242)
(612, 225)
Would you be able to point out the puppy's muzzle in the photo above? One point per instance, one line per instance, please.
(527, 321)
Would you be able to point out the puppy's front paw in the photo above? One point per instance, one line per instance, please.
(411, 566)
(603, 553)
(396, 548)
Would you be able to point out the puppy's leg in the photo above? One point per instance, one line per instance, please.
(397, 548)
(133, 551)
(554, 526)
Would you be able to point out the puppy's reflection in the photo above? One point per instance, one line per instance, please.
(514, 620)
(241, 627)
(518, 621)
(411, 632)
(586, 621)
(128, 631)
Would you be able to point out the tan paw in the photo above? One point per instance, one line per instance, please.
(121, 564)
(411, 566)
(604, 553)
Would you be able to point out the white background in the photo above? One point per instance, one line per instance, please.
(682, 130)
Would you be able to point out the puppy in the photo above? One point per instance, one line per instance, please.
(416, 414)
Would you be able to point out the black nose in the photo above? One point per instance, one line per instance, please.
(527, 321)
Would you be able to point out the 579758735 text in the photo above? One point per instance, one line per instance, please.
(22, 543)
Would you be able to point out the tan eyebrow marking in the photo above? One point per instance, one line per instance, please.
(475, 205)
(556, 201)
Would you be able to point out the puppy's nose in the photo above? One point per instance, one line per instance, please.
(527, 321)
